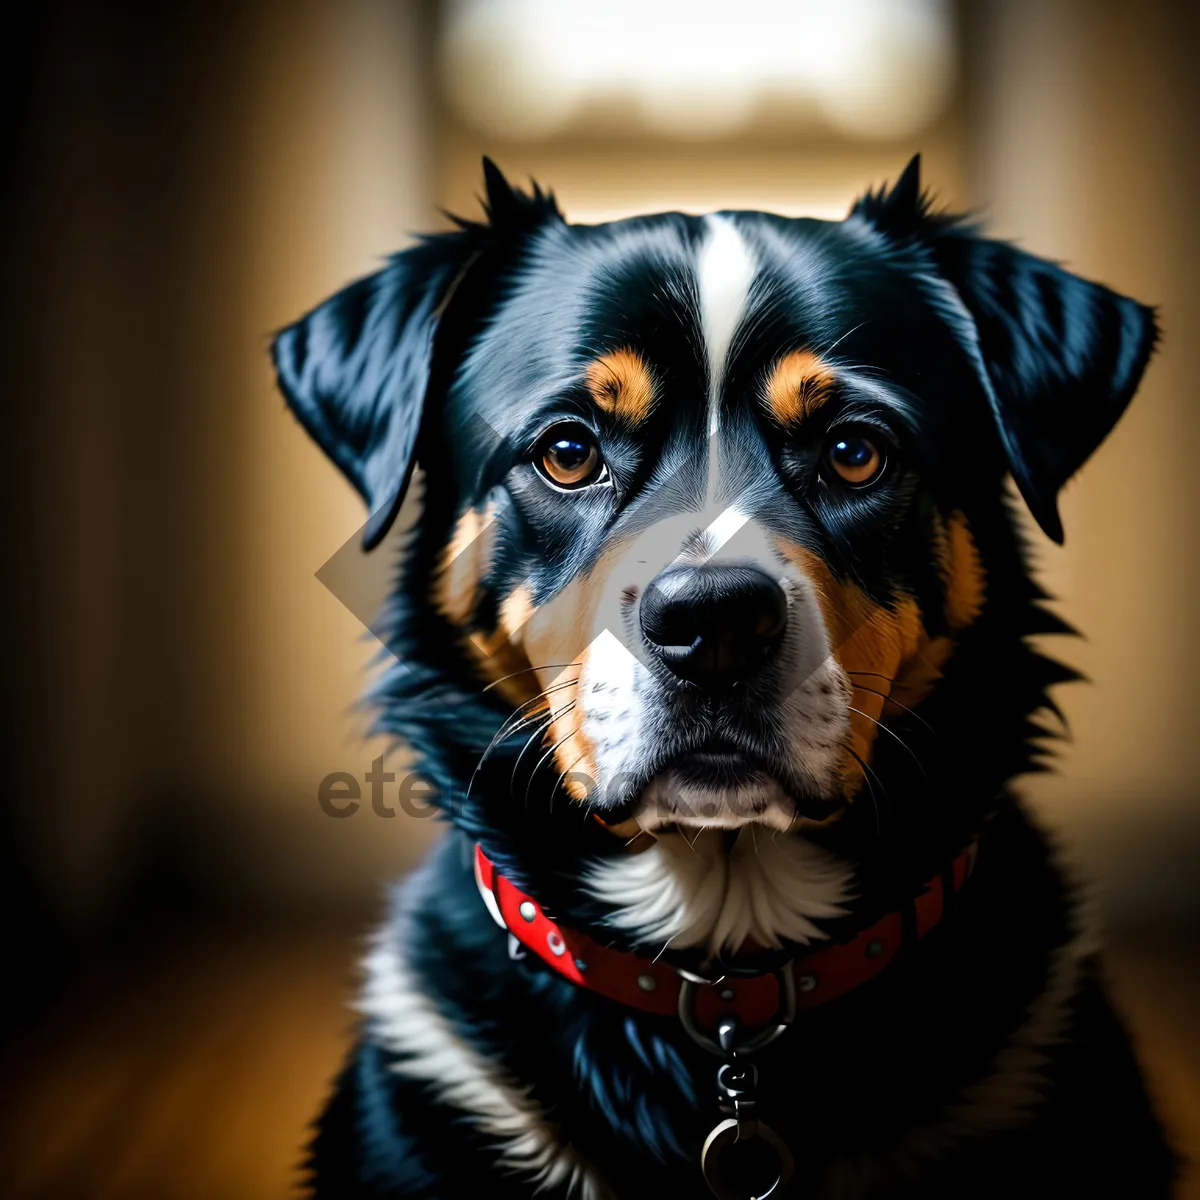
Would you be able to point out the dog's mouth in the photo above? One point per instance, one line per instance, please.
(724, 784)
(721, 765)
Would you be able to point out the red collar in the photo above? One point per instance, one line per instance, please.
(762, 1000)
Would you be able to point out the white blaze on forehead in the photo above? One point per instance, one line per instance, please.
(713, 538)
(722, 529)
(725, 270)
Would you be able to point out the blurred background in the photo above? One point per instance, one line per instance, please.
(181, 918)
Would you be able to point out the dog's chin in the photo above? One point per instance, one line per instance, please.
(679, 797)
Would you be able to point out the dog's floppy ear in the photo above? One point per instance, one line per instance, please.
(355, 370)
(1059, 357)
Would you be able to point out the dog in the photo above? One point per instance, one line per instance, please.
(714, 637)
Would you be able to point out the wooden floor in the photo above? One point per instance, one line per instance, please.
(192, 1072)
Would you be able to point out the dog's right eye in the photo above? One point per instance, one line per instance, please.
(568, 456)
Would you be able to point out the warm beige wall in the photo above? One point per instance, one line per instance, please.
(332, 172)
(1085, 152)
(192, 189)
(598, 179)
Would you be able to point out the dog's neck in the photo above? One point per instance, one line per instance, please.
(697, 890)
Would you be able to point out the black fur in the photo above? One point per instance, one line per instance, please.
(996, 362)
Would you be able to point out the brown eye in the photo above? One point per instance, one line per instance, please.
(569, 457)
(856, 459)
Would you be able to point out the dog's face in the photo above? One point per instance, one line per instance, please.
(704, 487)
(692, 451)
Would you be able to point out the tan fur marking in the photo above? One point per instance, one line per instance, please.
(888, 650)
(872, 644)
(501, 655)
(552, 636)
(621, 384)
(966, 591)
(516, 611)
(456, 593)
(462, 565)
(963, 573)
(576, 757)
(800, 383)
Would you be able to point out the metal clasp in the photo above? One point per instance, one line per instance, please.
(723, 1162)
(784, 1015)
(743, 1158)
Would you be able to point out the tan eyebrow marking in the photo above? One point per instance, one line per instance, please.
(800, 383)
(621, 384)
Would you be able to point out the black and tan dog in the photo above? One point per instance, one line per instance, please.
(717, 563)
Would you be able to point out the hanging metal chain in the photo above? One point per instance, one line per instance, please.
(743, 1158)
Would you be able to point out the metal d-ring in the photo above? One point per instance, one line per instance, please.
(782, 1018)
(717, 1144)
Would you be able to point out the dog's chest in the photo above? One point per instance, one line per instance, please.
(568, 1091)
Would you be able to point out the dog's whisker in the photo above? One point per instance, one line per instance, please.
(525, 671)
(533, 739)
(551, 717)
(538, 765)
(566, 771)
(544, 721)
(511, 725)
(868, 774)
(516, 722)
(892, 700)
(503, 733)
(831, 348)
(892, 733)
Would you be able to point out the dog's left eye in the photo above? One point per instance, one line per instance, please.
(855, 458)
(568, 456)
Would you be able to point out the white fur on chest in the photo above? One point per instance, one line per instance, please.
(770, 887)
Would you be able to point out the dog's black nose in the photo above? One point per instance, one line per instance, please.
(713, 625)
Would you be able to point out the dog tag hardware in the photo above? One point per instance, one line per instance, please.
(751, 1003)
(743, 1158)
(745, 1168)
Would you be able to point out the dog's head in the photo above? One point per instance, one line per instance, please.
(710, 501)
